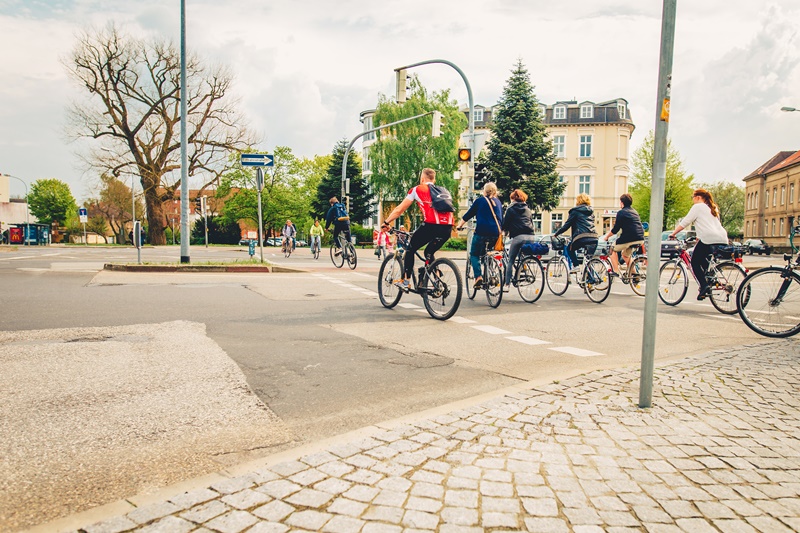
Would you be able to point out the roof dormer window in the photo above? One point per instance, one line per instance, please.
(621, 109)
(587, 110)
(543, 111)
(560, 112)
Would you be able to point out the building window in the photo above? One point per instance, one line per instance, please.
(623, 147)
(781, 231)
(791, 193)
(586, 146)
(774, 196)
(747, 229)
(543, 111)
(783, 196)
(536, 218)
(584, 185)
(563, 181)
(560, 112)
(587, 111)
(560, 146)
(621, 110)
(368, 126)
(366, 163)
(556, 220)
(755, 202)
(478, 115)
(766, 198)
(773, 227)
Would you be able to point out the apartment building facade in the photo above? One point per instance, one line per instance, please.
(772, 199)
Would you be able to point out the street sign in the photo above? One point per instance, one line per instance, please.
(83, 214)
(257, 160)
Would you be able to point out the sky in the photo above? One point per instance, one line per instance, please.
(305, 69)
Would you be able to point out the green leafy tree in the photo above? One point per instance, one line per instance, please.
(677, 187)
(401, 152)
(331, 185)
(98, 225)
(50, 200)
(219, 231)
(730, 199)
(519, 154)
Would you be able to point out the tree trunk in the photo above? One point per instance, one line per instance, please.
(155, 217)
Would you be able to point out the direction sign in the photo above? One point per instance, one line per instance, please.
(83, 215)
(257, 160)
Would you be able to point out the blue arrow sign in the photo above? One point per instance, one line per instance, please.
(257, 160)
(82, 211)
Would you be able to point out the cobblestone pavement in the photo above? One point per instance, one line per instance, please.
(719, 451)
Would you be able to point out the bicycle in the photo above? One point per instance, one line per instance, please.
(768, 299)
(286, 246)
(315, 248)
(345, 252)
(636, 274)
(439, 283)
(593, 276)
(528, 275)
(492, 265)
(724, 278)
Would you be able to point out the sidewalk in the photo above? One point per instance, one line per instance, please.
(719, 451)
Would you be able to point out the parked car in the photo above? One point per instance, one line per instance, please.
(671, 247)
(272, 241)
(245, 242)
(757, 246)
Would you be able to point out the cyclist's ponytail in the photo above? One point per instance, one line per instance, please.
(708, 200)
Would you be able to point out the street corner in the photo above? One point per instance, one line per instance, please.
(93, 415)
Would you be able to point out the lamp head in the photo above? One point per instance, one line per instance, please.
(788, 109)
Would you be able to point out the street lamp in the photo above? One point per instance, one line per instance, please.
(27, 210)
(789, 109)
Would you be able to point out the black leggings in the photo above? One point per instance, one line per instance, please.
(434, 235)
(700, 260)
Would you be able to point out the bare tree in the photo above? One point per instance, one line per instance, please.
(133, 110)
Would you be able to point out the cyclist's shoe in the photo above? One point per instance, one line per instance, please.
(575, 270)
(478, 283)
(338, 251)
(614, 274)
(402, 284)
(704, 294)
(506, 288)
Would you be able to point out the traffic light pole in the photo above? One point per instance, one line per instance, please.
(345, 181)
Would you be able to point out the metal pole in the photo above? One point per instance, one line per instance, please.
(259, 185)
(133, 206)
(205, 220)
(657, 202)
(184, 155)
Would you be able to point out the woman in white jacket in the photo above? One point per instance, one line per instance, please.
(705, 217)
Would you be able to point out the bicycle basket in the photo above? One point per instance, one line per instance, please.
(535, 248)
(557, 243)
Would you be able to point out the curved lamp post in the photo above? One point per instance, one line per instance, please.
(789, 109)
(27, 210)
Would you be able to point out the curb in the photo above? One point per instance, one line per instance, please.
(266, 269)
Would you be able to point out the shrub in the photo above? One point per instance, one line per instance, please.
(455, 243)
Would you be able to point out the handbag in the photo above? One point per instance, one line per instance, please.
(498, 245)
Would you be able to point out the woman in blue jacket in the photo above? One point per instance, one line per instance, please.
(487, 227)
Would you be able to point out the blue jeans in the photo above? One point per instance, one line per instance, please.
(477, 250)
(513, 252)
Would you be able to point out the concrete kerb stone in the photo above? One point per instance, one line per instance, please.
(266, 269)
(622, 442)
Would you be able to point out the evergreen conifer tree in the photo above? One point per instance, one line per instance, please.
(520, 156)
(331, 185)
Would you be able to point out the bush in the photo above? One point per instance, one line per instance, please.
(455, 243)
(361, 233)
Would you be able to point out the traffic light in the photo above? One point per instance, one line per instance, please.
(198, 206)
(481, 175)
(402, 82)
(438, 123)
(464, 155)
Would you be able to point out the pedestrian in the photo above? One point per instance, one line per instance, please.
(704, 214)
(488, 213)
(382, 244)
(518, 224)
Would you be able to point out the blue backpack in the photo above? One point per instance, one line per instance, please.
(341, 212)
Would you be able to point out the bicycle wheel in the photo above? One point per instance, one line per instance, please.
(316, 251)
(637, 275)
(336, 258)
(469, 281)
(557, 275)
(391, 271)
(352, 258)
(596, 280)
(492, 280)
(728, 278)
(287, 250)
(530, 279)
(441, 289)
(769, 302)
(672, 282)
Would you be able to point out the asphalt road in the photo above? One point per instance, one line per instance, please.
(322, 353)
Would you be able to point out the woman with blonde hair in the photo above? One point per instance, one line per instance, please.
(518, 223)
(704, 214)
(581, 220)
(488, 213)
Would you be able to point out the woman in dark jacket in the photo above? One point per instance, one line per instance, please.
(488, 213)
(581, 220)
(518, 224)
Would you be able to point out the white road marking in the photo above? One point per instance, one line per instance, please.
(527, 340)
(29, 256)
(362, 275)
(409, 306)
(575, 351)
(491, 330)
(722, 316)
(461, 320)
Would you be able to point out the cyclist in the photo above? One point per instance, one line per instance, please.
(704, 214)
(518, 223)
(488, 213)
(337, 215)
(581, 220)
(288, 233)
(632, 235)
(316, 232)
(435, 230)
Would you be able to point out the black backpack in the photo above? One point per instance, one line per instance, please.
(441, 200)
